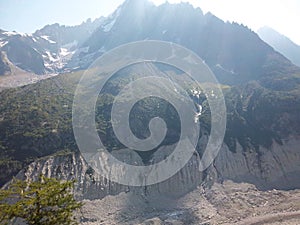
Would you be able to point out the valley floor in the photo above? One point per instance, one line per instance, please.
(227, 203)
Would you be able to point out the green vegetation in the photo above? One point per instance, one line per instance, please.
(43, 202)
(36, 120)
(258, 116)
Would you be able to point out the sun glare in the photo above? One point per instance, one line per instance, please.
(159, 2)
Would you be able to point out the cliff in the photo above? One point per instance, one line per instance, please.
(276, 167)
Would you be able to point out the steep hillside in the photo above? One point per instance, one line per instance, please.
(24, 56)
(36, 121)
(4, 65)
(175, 201)
(281, 44)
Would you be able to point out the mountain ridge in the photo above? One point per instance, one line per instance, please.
(48, 49)
(281, 43)
(233, 52)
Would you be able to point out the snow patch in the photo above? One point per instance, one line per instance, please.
(102, 49)
(2, 43)
(47, 39)
(108, 26)
(54, 61)
(10, 33)
(64, 52)
(196, 93)
(226, 70)
(115, 14)
(50, 57)
(113, 17)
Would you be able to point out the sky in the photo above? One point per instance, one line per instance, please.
(29, 15)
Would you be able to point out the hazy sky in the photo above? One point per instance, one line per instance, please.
(29, 15)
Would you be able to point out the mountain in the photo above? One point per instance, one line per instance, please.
(64, 35)
(262, 95)
(36, 119)
(48, 49)
(281, 44)
(234, 53)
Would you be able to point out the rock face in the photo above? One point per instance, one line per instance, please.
(91, 185)
(4, 66)
(24, 56)
(48, 49)
(277, 167)
(178, 200)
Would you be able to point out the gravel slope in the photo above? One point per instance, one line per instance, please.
(227, 203)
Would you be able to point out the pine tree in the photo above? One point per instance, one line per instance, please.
(47, 201)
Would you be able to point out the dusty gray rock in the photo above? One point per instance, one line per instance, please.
(90, 185)
(181, 199)
(277, 167)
